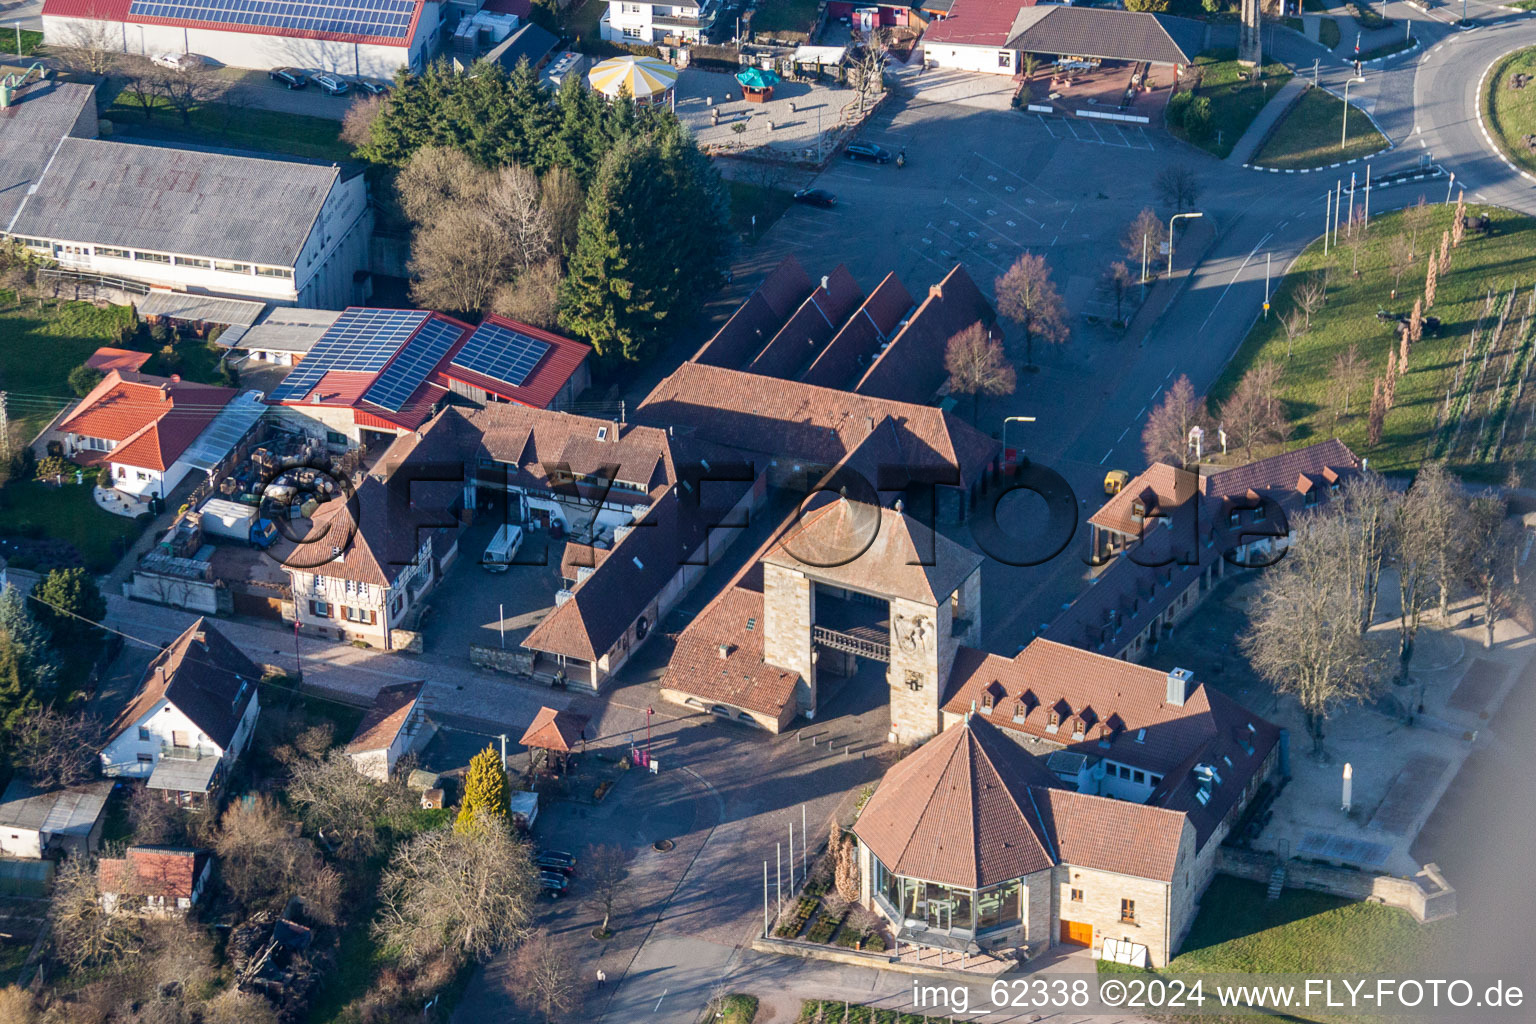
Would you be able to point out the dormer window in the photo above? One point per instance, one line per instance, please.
(1235, 519)
(986, 703)
(602, 433)
(1053, 722)
(1138, 509)
(1312, 497)
(1258, 514)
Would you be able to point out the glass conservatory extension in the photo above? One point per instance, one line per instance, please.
(946, 909)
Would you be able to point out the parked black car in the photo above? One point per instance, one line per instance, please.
(554, 883)
(293, 78)
(868, 151)
(555, 860)
(816, 197)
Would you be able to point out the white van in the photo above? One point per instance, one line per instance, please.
(502, 548)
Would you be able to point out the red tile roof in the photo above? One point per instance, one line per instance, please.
(153, 419)
(977, 23)
(1112, 835)
(107, 359)
(876, 549)
(558, 730)
(740, 678)
(858, 341)
(811, 327)
(376, 533)
(960, 810)
(392, 706)
(118, 10)
(166, 872)
(759, 318)
(788, 420)
(911, 369)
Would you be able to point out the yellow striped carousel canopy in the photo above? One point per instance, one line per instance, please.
(642, 77)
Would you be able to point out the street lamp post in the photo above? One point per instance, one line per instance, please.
(298, 662)
(1013, 419)
(1171, 220)
(1344, 128)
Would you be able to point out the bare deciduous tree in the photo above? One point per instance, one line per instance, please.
(343, 805)
(88, 44)
(457, 260)
(435, 179)
(1254, 414)
(977, 366)
(1144, 237)
(546, 980)
(357, 126)
(1365, 507)
(1118, 278)
(1303, 639)
(462, 894)
(845, 870)
(562, 202)
(55, 749)
(1423, 528)
(1417, 218)
(1349, 372)
(1310, 296)
(1165, 438)
(1179, 187)
(1294, 324)
(1399, 259)
(1488, 546)
(1027, 296)
(84, 932)
(867, 73)
(188, 87)
(605, 881)
(513, 200)
(264, 861)
(534, 297)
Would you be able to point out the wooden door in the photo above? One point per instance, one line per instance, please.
(1077, 933)
(180, 739)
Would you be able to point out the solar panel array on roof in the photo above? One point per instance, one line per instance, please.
(390, 19)
(361, 340)
(418, 358)
(501, 352)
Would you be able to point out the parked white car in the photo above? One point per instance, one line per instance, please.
(179, 61)
(333, 84)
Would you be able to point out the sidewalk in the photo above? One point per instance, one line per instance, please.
(1265, 121)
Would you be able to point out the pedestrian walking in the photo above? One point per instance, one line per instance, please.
(602, 977)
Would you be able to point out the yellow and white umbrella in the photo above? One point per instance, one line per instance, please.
(646, 79)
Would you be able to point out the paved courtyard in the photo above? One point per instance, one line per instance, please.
(788, 125)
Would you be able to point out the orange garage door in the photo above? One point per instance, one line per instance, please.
(1077, 933)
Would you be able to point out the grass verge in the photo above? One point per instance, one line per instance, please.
(1510, 114)
(1235, 99)
(749, 200)
(21, 42)
(1418, 424)
(1308, 135)
(835, 1011)
(1386, 49)
(732, 1009)
(229, 126)
(1328, 33)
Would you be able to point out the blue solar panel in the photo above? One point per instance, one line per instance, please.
(361, 340)
(502, 353)
(421, 354)
(387, 18)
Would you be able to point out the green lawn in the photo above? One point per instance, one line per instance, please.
(1413, 428)
(1328, 33)
(33, 513)
(733, 1009)
(233, 127)
(1308, 135)
(40, 342)
(780, 18)
(23, 43)
(1524, 5)
(1239, 930)
(749, 200)
(1386, 50)
(835, 1011)
(1235, 99)
(1511, 113)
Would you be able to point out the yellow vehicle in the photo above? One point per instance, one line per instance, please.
(1115, 481)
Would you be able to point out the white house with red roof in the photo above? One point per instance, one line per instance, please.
(370, 38)
(376, 374)
(141, 429)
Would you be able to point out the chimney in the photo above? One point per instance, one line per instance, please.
(936, 291)
(869, 421)
(823, 283)
(1180, 682)
(175, 378)
(725, 651)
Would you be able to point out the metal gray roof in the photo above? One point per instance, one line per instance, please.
(177, 201)
(183, 776)
(219, 438)
(70, 811)
(30, 129)
(283, 329)
(1107, 34)
(207, 308)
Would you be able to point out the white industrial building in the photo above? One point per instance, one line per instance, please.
(371, 38)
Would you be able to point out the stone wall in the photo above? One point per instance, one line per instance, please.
(913, 674)
(789, 609)
(1100, 907)
(516, 662)
(1427, 896)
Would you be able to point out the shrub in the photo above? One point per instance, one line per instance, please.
(83, 378)
(161, 334)
(1197, 117)
(54, 466)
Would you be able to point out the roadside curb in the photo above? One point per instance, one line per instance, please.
(1417, 45)
(1341, 163)
(1482, 123)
